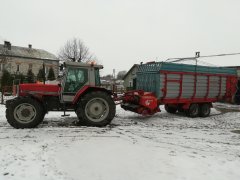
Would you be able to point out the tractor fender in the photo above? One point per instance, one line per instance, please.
(87, 89)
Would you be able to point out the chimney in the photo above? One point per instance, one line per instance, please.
(7, 45)
(30, 46)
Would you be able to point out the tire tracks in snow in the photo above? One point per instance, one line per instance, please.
(185, 134)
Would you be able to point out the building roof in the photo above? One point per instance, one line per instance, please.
(26, 52)
(80, 64)
(237, 67)
(130, 70)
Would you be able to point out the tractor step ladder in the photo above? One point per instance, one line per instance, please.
(64, 111)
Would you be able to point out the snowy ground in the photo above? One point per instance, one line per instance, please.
(164, 146)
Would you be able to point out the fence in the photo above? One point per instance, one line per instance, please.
(114, 88)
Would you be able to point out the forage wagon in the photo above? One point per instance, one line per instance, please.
(180, 87)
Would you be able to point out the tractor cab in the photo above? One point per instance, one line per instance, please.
(76, 76)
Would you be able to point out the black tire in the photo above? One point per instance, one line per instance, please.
(193, 111)
(170, 109)
(205, 110)
(24, 113)
(96, 109)
(180, 109)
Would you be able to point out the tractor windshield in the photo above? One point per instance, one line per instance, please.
(76, 78)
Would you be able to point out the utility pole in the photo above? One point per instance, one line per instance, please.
(197, 55)
(114, 80)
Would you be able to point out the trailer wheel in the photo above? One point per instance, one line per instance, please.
(170, 109)
(205, 110)
(193, 110)
(180, 109)
(24, 113)
(96, 109)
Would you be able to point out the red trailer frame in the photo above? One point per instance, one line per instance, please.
(230, 88)
(146, 103)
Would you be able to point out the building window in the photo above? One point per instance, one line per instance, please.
(18, 67)
(46, 70)
(30, 66)
(130, 83)
(2, 67)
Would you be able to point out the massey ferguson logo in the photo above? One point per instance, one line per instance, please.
(148, 102)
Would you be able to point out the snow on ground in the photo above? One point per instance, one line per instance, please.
(163, 146)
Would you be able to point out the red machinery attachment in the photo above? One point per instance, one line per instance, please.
(140, 102)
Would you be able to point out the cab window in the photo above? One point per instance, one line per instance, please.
(76, 78)
(97, 78)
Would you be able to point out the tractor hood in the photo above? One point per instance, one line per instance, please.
(39, 89)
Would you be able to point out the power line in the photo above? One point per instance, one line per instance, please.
(216, 55)
(174, 60)
(194, 58)
(201, 62)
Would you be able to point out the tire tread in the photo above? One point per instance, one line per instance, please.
(80, 111)
(16, 124)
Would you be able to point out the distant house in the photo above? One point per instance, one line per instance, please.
(130, 78)
(18, 60)
(113, 85)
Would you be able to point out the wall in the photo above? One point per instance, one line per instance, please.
(11, 65)
(130, 78)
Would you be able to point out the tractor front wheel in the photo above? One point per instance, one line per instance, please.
(24, 113)
(96, 109)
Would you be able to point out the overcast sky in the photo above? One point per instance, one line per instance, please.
(123, 32)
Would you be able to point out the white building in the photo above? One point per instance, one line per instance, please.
(18, 60)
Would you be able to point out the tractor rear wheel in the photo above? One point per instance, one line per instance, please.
(24, 113)
(96, 109)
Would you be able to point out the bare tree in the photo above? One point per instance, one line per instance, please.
(121, 74)
(75, 50)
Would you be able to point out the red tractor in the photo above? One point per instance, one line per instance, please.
(79, 91)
